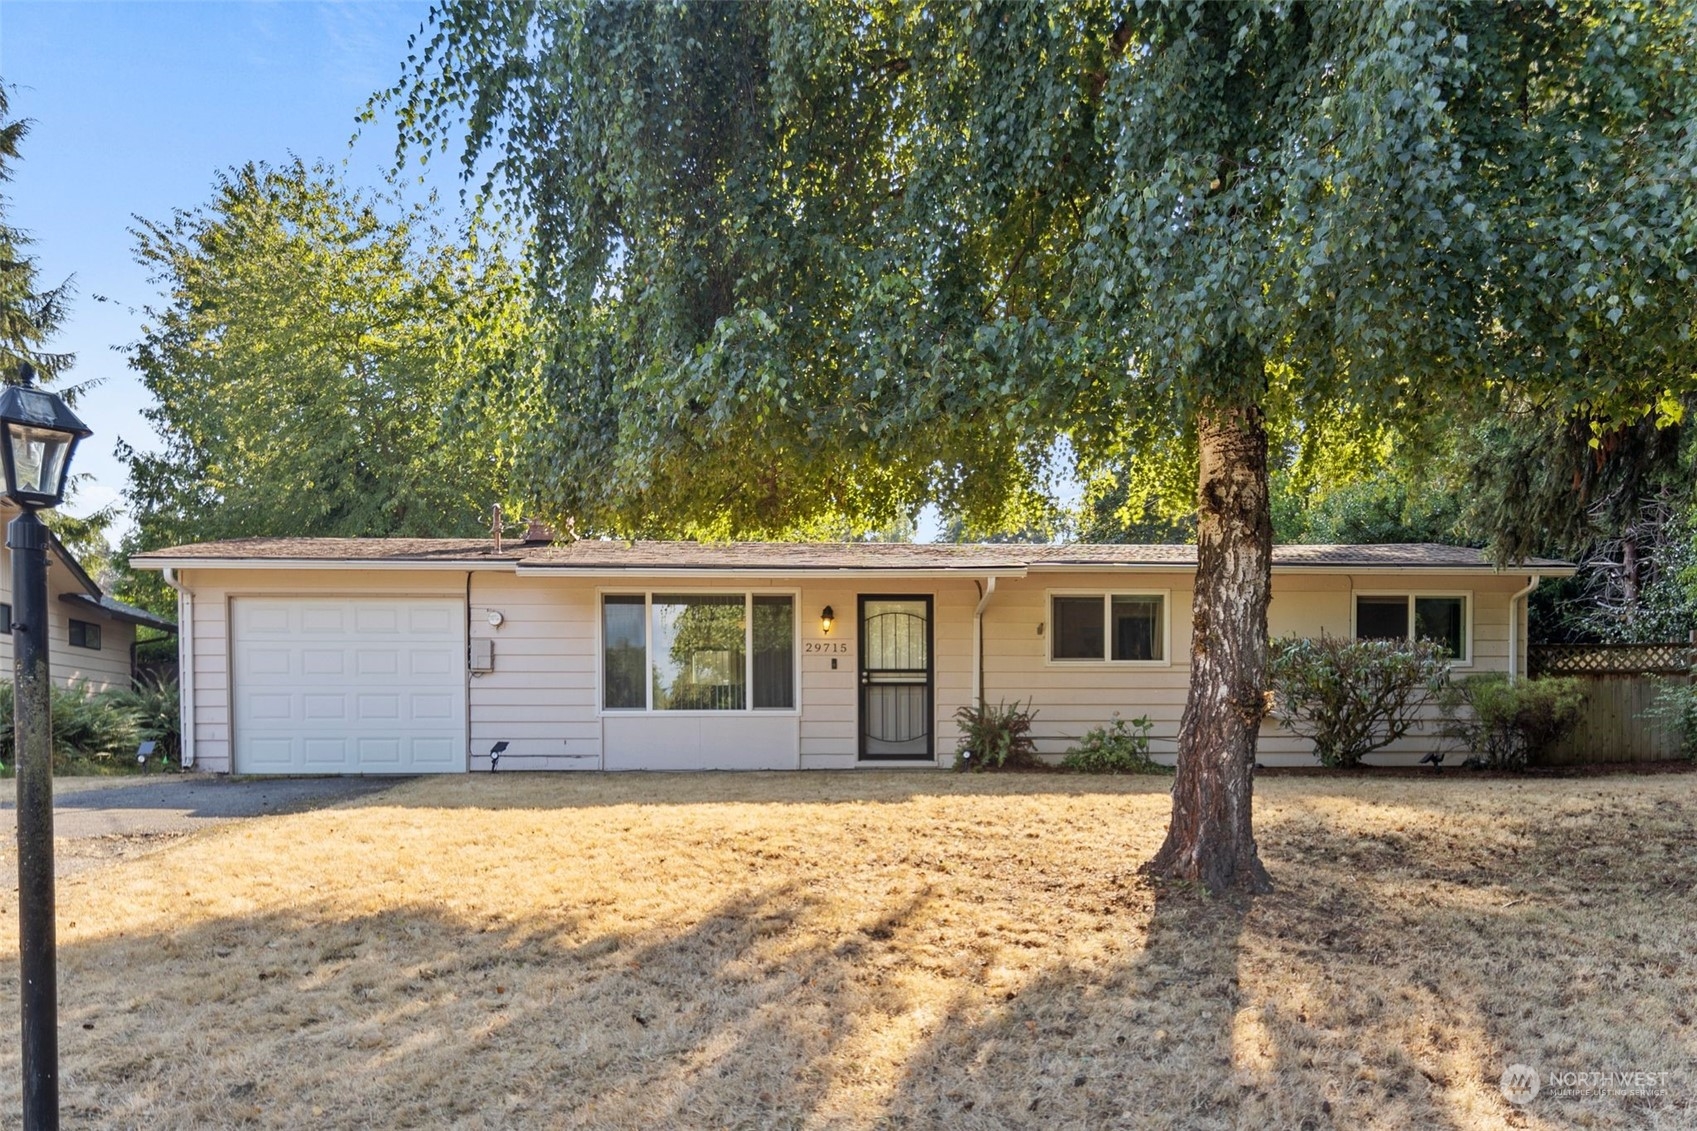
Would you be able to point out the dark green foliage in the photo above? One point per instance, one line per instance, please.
(1352, 697)
(156, 705)
(1118, 748)
(97, 727)
(995, 737)
(1512, 724)
(324, 363)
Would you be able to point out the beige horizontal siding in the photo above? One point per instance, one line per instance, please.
(541, 696)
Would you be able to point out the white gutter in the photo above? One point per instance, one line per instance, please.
(1514, 625)
(185, 664)
(978, 641)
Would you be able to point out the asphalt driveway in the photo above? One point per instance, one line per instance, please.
(100, 819)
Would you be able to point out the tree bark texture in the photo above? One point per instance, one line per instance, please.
(1211, 840)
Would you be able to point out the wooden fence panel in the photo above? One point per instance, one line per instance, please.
(1615, 727)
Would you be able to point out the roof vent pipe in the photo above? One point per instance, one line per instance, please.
(495, 525)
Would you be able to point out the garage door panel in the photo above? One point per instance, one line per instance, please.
(379, 752)
(377, 661)
(323, 661)
(269, 708)
(430, 707)
(438, 754)
(380, 708)
(355, 685)
(325, 751)
(324, 620)
(267, 661)
(268, 621)
(385, 620)
(322, 708)
(429, 663)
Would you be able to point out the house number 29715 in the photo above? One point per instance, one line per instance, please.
(833, 646)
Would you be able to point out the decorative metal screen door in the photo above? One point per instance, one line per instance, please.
(895, 677)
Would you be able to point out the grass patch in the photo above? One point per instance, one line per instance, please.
(883, 950)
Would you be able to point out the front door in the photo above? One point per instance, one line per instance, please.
(895, 678)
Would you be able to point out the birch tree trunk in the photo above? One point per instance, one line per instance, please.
(1211, 840)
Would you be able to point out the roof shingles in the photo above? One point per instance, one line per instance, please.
(594, 554)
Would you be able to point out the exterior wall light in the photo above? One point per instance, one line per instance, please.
(827, 618)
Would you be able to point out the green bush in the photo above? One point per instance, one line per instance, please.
(87, 726)
(1352, 697)
(1118, 748)
(157, 708)
(1676, 708)
(1512, 724)
(995, 738)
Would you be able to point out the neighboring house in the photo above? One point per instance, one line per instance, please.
(90, 636)
(307, 655)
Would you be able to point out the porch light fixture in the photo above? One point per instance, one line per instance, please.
(41, 433)
(827, 618)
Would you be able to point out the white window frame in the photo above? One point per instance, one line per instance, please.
(647, 710)
(1465, 596)
(1107, 596)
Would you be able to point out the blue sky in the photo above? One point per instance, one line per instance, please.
(136, 106)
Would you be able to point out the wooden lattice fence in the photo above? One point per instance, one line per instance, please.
(1622, 681)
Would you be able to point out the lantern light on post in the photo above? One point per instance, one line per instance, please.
(827, 618)
(38, 435)
(41, 434)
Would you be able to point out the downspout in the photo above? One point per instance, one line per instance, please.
(985, 592)
(1514, 626)
(185, 664)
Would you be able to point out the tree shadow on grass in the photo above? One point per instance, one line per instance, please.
(414, 1018)
(1144, 1042)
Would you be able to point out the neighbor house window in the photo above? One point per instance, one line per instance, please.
(1108, 626)
(698, 652)
(83, 634)
(5, 618)
(1411, 617)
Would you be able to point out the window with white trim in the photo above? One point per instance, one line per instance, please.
(1414, 616)
(1115, 627)
(670, 651)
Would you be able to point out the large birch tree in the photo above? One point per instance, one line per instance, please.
(852, 255)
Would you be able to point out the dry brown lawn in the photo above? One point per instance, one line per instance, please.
(884, 950)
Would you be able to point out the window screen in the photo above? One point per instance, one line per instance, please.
(624, 653)
(1076, 628)
(774, 653)
(1137, 628)
(1444, 620)
(1381, 618)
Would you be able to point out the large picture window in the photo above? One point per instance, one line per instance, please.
(1129, 627)
(698, 652)
(1413, 616)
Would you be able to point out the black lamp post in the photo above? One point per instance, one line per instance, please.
(40, 434)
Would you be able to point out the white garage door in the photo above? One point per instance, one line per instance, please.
(365, 685)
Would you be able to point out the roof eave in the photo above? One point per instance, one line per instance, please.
(454, 565)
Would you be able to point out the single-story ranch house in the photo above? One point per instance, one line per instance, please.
(389, 655)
